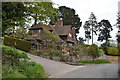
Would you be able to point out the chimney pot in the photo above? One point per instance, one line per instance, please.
(60, 22)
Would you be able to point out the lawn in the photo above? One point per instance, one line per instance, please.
(95, 61)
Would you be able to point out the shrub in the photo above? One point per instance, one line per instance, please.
(1, 40)
(9, 41)
(111, 51)
(32, 70)
(12, 56)
(23, 45)
(97, 51)
(93, 51)
(15, 65)
(14, 75)
(17, 43)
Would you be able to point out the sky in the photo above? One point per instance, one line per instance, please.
(103, 9)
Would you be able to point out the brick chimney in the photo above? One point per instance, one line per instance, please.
(60, 22)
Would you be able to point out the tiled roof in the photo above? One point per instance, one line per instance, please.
(61, 30)
(37, 26)
(36, 36)
(48, 27)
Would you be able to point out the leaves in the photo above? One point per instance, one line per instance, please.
(69, 17)
(41, 11)
(90, 26)
(104, 28)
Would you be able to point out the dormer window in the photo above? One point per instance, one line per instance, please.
(70, 35)
(36, 30)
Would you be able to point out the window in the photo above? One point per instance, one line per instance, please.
(36, 30)
(39, 30)
(70, 35)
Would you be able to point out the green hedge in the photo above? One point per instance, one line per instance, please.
(111, 51)
(23, 45)
(9, 41)
(17, 43)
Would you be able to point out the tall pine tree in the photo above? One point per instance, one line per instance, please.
(104, 28)
(91, 27)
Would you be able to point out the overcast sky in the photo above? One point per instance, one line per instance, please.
(103, 9)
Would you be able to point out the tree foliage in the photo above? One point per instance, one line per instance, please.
(90, 27)
(69, 17)
(81, 40)
(18, 14)
(118, 25)
(105, 28)
(12, 15)
(87, 31)
(41, 11)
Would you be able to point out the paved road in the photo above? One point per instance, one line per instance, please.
(93, 71)
(62, 70)
(53, 68)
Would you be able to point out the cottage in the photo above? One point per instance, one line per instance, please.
(64, 32)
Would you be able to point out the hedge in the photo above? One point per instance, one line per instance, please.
(9, 41)
(111, 51)
(17, 43)
(23, 45)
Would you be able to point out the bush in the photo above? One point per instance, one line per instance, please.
(93, 51)
(15, 64)
(1, 40)
(96, 49)
(9, 41)
(14, 75)
(12, 56)
(32, 70)
(111, 51)
(17, 43)
(24, 70)
(23, 45)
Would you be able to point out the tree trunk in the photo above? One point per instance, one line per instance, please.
(88, 41)
(107, 42)
(13, 30)
(35, 19)
(35, 22)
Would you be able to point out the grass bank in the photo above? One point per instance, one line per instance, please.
(95, 61)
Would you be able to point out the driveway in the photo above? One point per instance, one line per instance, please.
(61, 70)
(53, 68)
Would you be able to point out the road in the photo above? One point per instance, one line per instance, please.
(53, 68)
(61, 70)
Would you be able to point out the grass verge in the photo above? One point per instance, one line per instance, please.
(95, 61)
